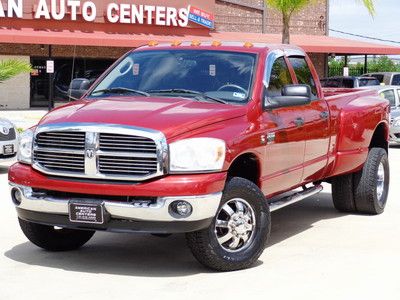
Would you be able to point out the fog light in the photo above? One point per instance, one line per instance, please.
(16, 196)
(180, 209)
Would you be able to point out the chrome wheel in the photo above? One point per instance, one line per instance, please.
(235, 224)
(380, 183)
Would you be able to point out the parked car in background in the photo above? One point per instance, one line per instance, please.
(392, 94)
(348, 82)
(389, 92)
(395, 126)
(388, 78)
(8, 140)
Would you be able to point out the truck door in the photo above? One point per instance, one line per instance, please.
(316, 122)
(284, 132)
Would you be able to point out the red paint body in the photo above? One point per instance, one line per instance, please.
(320, 149)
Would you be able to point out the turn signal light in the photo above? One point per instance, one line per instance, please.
(196, 43)
(248, 45)
(176, 43)
(153, 43)
(216, 44)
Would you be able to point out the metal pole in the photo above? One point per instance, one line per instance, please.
(366, 64)
(264, 17)
(51, 91)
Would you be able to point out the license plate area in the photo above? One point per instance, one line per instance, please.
(8, 149)
(88, 213)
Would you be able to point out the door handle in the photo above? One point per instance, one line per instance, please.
(324, 115)
(299, 121)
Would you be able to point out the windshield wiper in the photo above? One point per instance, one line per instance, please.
(121, 90)
(189, 92)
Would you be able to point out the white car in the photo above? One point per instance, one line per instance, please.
(392, 94)
(8, 140)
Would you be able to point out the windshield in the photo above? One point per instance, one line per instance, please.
(200, 74)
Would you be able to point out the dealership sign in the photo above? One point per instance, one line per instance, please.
(201, 17)
(124, 13)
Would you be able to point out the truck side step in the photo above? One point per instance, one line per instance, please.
(296, 197)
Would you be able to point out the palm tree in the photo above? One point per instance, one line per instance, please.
(288, 7)
(12, 67)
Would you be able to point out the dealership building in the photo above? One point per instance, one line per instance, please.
(83, 38)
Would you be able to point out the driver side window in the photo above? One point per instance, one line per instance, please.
(280, 76)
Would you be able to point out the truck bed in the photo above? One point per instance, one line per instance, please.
(331, 93)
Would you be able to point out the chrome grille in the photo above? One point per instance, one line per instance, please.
(127, 165)
(60, 161)
(99, 151)
(61, 140)
(126, 143)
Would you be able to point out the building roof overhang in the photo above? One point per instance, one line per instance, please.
(310, 43)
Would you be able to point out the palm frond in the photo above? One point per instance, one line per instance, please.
(12, 67)
(370, 5)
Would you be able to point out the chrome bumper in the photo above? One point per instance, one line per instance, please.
(204, 206)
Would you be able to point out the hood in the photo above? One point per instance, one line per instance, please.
(172, 116)
(6, 123)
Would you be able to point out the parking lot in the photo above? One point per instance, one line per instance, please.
(314, 251)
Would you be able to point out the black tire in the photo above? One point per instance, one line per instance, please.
(357, 192)
(343, 193)
(204, 243)
(366, 183)
(49, 238)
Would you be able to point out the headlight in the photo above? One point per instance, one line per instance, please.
(197, 154)
(25, 147)
(396, 122)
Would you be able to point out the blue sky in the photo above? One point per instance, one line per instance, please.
(351, 16)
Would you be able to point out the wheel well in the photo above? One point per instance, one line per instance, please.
(246, 166)
(379, 139)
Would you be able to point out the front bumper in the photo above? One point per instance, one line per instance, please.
(121, 216)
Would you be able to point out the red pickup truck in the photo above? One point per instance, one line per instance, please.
(204, 139)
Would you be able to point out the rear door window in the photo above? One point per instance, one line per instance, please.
(333, 82)
(368, 82)
(303, 73)
(378, 76)
(389, 95)
(348, 83)
(396, 79)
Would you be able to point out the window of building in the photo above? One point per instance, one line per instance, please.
(65, 69)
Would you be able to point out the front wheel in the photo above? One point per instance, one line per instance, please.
(239, 232)
(54, 239)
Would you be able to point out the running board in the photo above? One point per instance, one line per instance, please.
(280, 203)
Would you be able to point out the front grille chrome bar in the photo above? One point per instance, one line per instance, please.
(100, 151)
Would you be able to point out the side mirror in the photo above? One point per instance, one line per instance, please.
(292, 95)
(78, 87)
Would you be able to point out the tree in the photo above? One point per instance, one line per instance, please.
(12, 67)
(382, 64)
(289, 7)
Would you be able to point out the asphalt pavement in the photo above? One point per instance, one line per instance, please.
(314, 253)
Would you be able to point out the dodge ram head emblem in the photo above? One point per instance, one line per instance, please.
(90, 153)
(5, 130)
